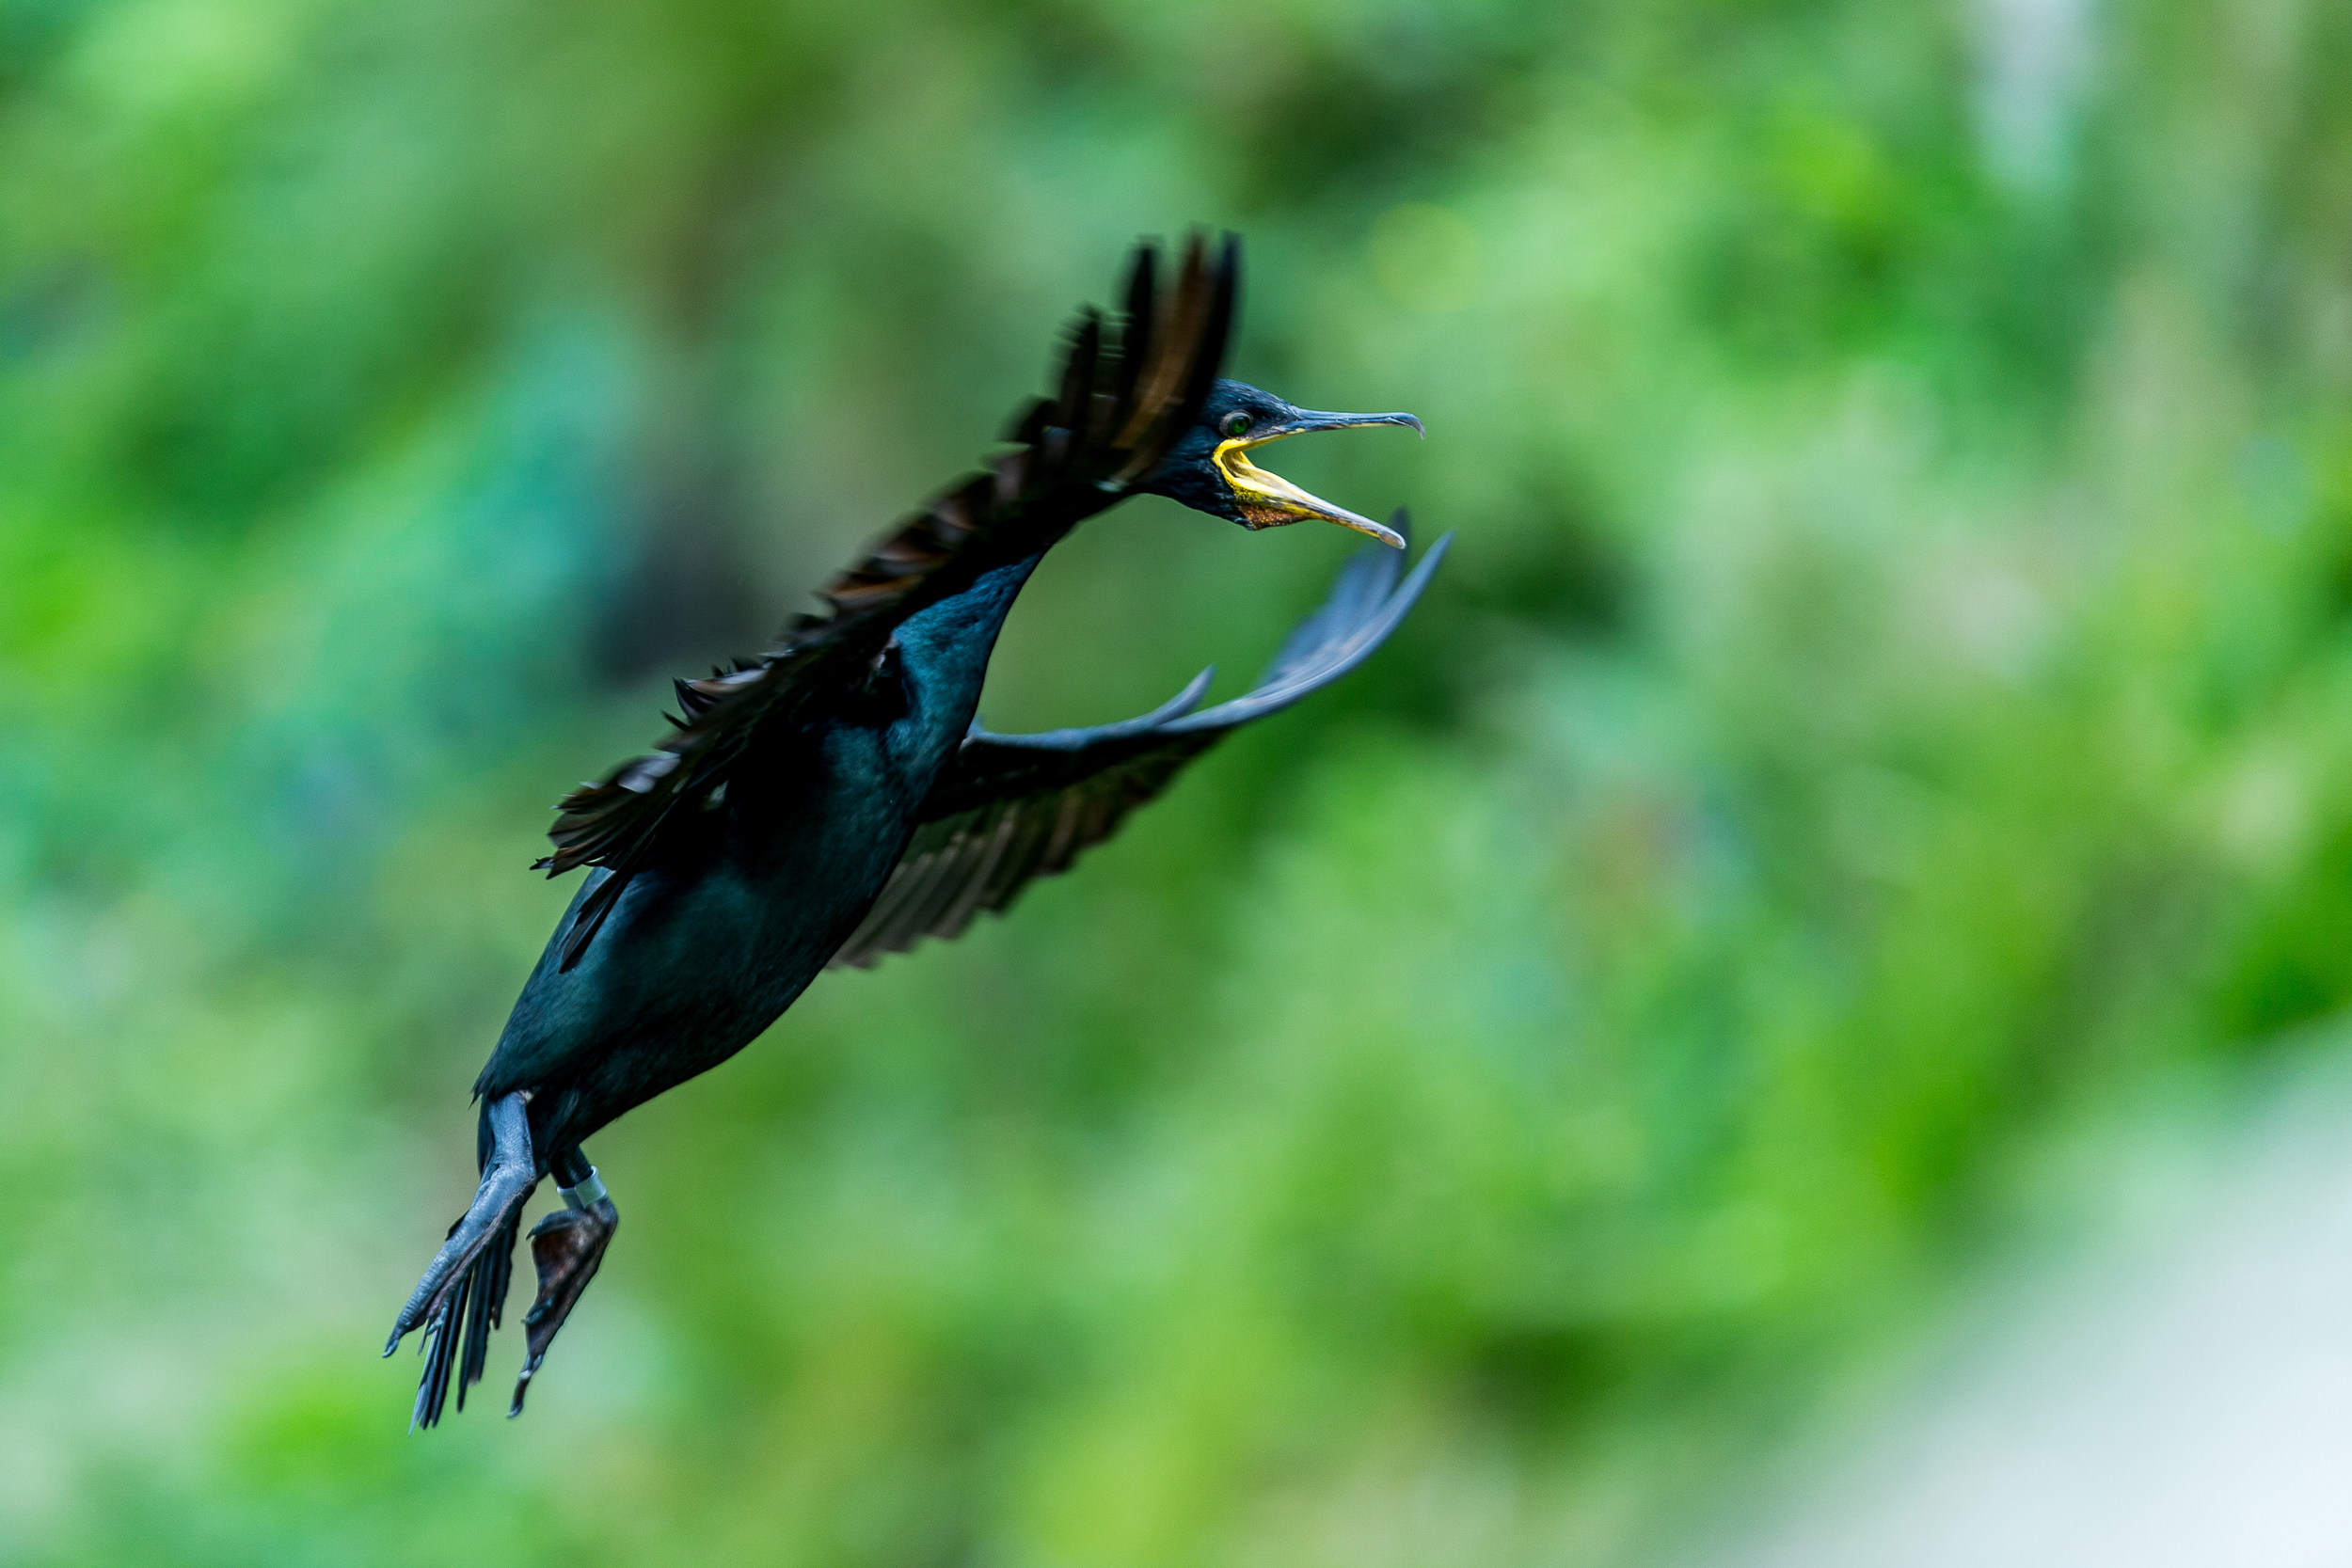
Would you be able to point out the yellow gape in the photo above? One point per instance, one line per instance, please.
(1267, 499)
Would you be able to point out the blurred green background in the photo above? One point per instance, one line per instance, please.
(1888, 712)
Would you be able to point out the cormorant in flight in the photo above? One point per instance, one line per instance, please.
(835, 800)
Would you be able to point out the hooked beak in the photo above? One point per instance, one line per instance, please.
(1269, 500)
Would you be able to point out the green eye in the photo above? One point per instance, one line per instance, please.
(1237, 424)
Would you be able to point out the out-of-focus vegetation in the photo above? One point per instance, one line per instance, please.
(1892, 699)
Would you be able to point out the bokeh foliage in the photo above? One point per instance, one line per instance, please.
(1892, 696)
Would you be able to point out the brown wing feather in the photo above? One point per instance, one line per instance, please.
(1075, 455)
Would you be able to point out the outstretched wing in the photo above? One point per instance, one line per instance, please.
(1124, 401)
(1010, 808)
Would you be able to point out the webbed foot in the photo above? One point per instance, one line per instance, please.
(567, 1247)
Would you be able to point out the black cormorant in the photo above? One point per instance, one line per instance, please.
(834, 801)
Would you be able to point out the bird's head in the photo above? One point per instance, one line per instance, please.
(1209, 469)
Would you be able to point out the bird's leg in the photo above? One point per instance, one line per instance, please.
(464, 1285)
(567, 1247)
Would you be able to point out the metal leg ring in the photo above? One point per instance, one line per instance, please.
(590, 1192)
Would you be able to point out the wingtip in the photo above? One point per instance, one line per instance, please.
(1435, 553)
(1401, 522)
(1418, 579)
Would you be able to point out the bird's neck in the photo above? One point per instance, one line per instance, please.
(945, 646)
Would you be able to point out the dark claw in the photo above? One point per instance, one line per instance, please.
(566, 1247)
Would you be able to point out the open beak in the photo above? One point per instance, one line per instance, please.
(1269, 500)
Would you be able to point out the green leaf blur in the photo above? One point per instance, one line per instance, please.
(1892, 698)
